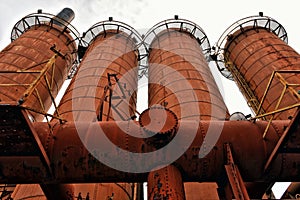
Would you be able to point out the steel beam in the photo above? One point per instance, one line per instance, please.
(235, 179)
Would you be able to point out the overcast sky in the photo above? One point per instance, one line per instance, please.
(214, 16)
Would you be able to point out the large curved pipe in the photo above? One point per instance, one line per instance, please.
(71, 162)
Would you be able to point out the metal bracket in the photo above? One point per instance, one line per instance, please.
(293, 126)
(235, 179)
(109, 95)
(290, 87)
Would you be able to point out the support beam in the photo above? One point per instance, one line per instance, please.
(292, 127)
(235, 179)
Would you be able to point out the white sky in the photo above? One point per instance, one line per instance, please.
(214, 16)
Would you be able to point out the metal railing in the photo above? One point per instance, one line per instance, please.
(290, 87)
(30, 88)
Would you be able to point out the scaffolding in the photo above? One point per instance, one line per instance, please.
(31, 88)
(287, 87)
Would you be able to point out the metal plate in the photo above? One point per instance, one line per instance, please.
(21, 151)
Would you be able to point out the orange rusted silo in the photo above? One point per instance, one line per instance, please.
(254, 49)
(42, 47)
(104, 89)
(107, 77)
(254, 53)
(179, 75)
(181, 81)
(33, 68)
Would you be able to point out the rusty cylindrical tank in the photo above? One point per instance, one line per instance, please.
(104, 88)
(110, 62)
(180, 80)
(252, 49)
(179, 75)
(249, 52)
(35, 40)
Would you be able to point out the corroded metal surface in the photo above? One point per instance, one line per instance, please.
(104, 191)
(197, 191)
(180, 80)
(27, 52)
(20, 145)
(165, 183)
(101, 85)
(256, 53)
(23, 64)
(174, 51)
(28, 191)
(58, 191)
(160, 122)
(71, 162)
(111, 52)
(235, 179)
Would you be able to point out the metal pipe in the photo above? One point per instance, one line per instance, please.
(165, 183)
(178, 69)
(64, 17)
(106, 78)
(71, 162)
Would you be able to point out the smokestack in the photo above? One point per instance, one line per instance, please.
(252, 52)
(177, 59)
(64, 17)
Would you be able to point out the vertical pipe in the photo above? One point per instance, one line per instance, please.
(180, 80)
(104, 88)
(64, 17)
(165, 183)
